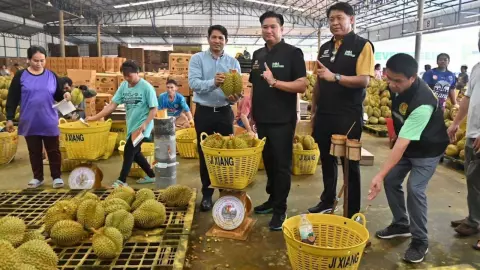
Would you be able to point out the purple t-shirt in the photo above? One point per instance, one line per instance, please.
(37, 94)
(442, 82)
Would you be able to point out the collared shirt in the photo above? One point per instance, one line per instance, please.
(201, 77)
(366, 60)
(269, 104)
(473, 91)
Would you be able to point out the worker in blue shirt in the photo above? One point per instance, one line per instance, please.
(442, 81)
(176, 105)
(213, 111)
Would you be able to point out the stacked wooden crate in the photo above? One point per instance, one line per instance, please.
(73, 63)
(82, 77)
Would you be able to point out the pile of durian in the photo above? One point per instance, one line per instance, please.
(4, 85)
(456, 149)
(241, 141)
(69, 222)
(306, 142)
(377, 103)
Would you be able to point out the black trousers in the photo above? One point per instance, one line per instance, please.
(211, 120)
(51, 143)
(325, 127)
(131, 154)
(277, 158)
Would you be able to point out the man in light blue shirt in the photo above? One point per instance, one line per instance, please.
(141, 107)
(213, 112)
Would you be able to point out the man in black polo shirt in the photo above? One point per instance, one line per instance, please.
(278, 74)
(422, 140)
(345, 66)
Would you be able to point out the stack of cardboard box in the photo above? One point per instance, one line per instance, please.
(158, 81)
(106, 83)
(73, 63)
(83, 77)
(178, 63)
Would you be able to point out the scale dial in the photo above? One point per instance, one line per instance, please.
(82, 178)
(228, 212)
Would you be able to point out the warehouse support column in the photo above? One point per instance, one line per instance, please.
(319, 37)
(99, 44)
(62, 34)
(418, 36)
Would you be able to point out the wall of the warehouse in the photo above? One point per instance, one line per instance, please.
(108, 49)
(17, 47)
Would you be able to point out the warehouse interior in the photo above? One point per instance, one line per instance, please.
(88, 40)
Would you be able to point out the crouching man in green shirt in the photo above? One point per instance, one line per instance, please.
(422, 140)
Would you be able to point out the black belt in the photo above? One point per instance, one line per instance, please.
(214, 109)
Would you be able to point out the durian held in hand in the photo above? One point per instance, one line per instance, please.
(241, 141)
(231, 84)
(306, 142)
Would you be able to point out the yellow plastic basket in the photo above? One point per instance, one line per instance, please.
(112, 140)
(232, 168)
(148, 150)
(119, 127)
(305, 161)
(8, 146)
(261, 166)
(84, 142)
(339, 242)
(196, 148)
(67, 165)
(185, 142)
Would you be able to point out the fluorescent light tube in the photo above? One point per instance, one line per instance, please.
(132, 4)
(275, 5)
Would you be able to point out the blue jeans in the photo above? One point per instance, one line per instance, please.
(421, 171)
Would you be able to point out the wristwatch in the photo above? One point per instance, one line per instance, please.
(337, 77)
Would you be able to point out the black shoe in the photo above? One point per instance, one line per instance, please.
(206, 204)
(416, 252)
(277, 221)
(265, 208)
(321, 208)
(393, 231)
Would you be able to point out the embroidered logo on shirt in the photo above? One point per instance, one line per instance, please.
(349, 53)
(403, 108)
(277, 65)
(255, 65)
(325, 53)
(435, 77)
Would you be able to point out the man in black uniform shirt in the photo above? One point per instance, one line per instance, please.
(278, 74)
(345, 65)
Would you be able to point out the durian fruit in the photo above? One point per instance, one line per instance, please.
(39, 254)
(123, 221)
(452, 150)
(149, 215)
(77, 96)
(32, 235)
(230, 144)
(86, 196)
(125, 193)
(12, 229)
(113, 204)
(239, 143)
(225, 143)
(297, 146)
(141, 196)
(68, 207)
(214, 141)
(373, 120)
(233, 83)
(107, 242)
(461, 155)
(382, 121)
(249, 139)
(91, 214)
(67, 233)
(176, 196)
(24, 266)
(308, 142)
(9, 259)
(54, 215)
(460, 134)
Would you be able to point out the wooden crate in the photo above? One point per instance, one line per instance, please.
(82, 77)
(105, 80)
(178, 63)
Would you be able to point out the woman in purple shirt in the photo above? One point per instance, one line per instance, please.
(36, 89)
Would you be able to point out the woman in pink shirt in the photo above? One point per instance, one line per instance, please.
(244, 115)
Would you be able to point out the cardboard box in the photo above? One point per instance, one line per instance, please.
(102, 100)
(158, 81)
(82, 77)
(73, 63)
(110, 64)
(107, 90)
(178, 63)
(86, 63)
(117, 63)
(90, 109)
(105, 80)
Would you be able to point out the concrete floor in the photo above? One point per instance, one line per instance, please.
(266, 250)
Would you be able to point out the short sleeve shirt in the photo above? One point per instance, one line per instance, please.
(174, 107)
(473, 91)
(442, 82)
(138, 101)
